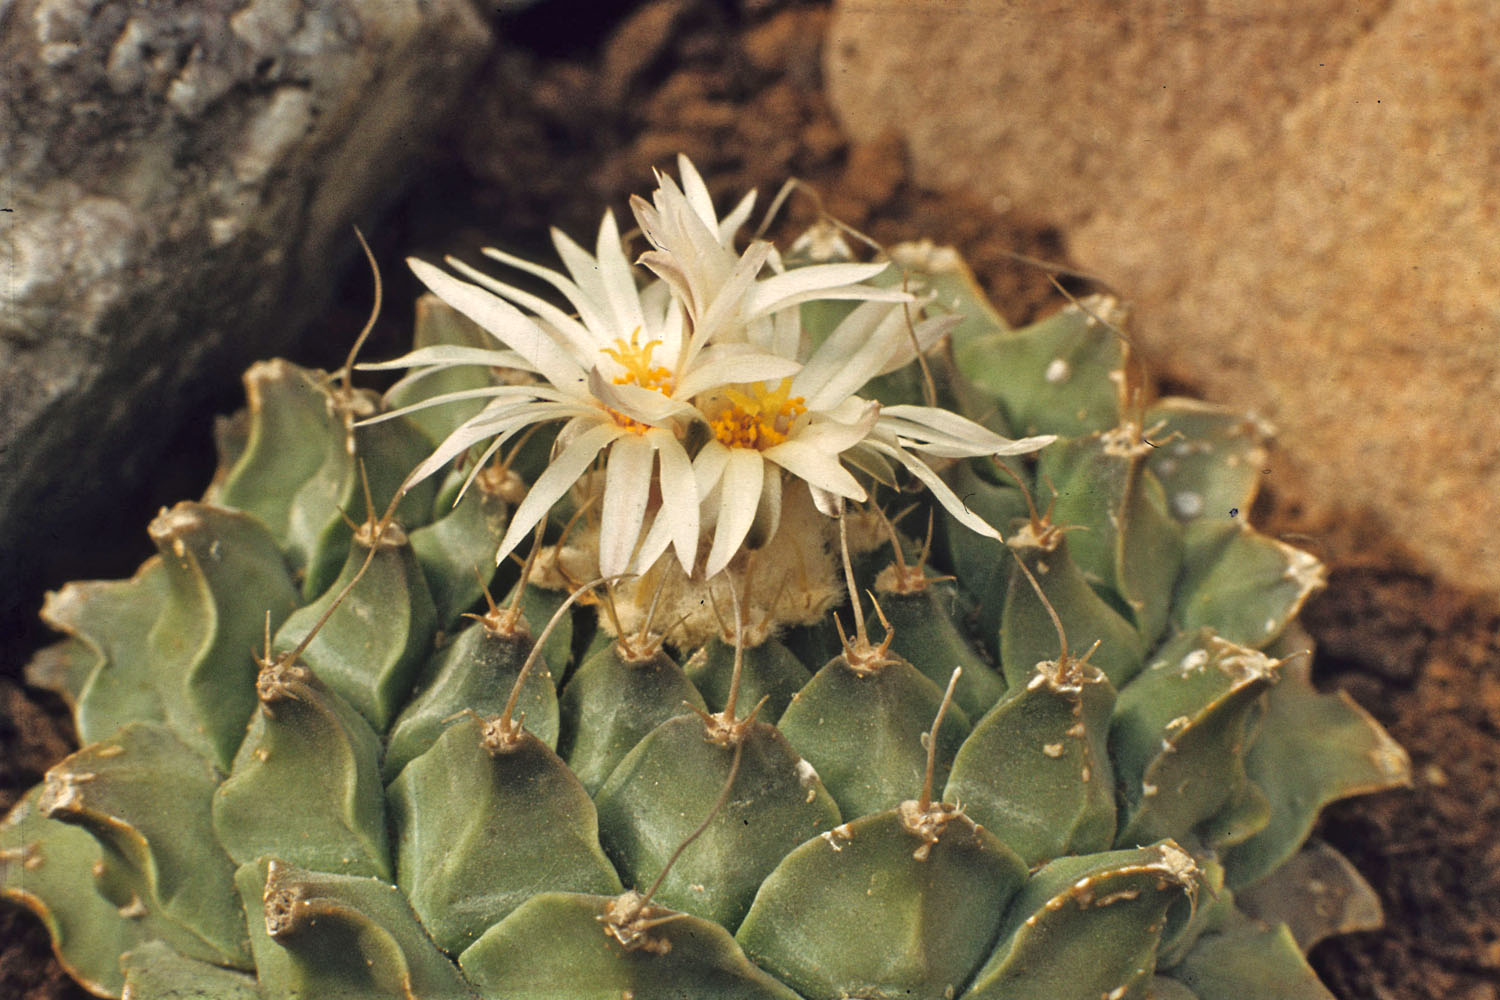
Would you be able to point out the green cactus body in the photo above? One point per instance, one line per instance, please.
(397, 802)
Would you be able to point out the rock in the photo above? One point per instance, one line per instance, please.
(1300, 201)
(180, 184)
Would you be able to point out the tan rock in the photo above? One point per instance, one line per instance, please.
(1300, 200)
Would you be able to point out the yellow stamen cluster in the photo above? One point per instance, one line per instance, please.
(635, 358)
(760, 418)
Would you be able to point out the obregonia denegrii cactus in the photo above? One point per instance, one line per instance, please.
(324, 758)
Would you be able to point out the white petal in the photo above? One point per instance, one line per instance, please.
(669, 268)
(873, 464)
(478, 467)
(696, 192)
(485, 425)
(638, 403)
(940, 490)
(627, 493)
(586, 273)
(503, 321)
(920, 338)
(727, 306)
(828, 504)
(820, 281)
(679, 497)
(735, 219)
(618, 280)
(677, 519)
(786, 336)
(649, 219)
(670, 330)
(949, 435)
(739, 496)
(768, 511)
(732, 368)
(590, 310)
(708, 467)
(555, 480)
(818, 467)
(448, 356)
(834, 436)
(848, 358)
(441, 400)
(578, 337)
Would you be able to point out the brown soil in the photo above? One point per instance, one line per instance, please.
(579, 103)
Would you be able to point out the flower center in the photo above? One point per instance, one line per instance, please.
(635, 358)
(759, 418)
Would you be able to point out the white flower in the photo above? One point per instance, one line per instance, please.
(809, 424)
(712, 358)
(621, 374)
(726, 296)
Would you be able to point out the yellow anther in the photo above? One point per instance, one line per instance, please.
(635, 358)
(759, 418)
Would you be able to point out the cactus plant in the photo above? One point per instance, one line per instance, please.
(1066, 747)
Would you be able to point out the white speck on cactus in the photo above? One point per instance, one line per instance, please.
(1187, 504)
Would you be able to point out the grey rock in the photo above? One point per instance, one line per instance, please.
(179, 181)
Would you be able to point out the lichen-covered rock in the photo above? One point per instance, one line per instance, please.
(178, 177)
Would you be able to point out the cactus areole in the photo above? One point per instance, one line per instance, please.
(643, 678)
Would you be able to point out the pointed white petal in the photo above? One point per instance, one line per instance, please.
(478, 467)
(768, 511)
(679, 496)
(441, 400)
(503, 321)
(731, 368)
(584, 270)
(486, 424)
(919, 338)
(739, 496)
(618, 281)
(834, 436)
(738, 280)
(821, 281)
(871, 463)
(447, 356)
(819, 468)
(555, 480)
(653, 226)
(668, 267)
(670, 328)
(627, 493)
(589, 309)
(786, 336)
(949, 435)
(940, 490)
(580, 340)
(708, 466)
(736, 219)
(828, 504)
(696, 192)
(644, 405)
(726, 308)
(851, 354)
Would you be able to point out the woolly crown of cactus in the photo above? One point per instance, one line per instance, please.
(1067, 746)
